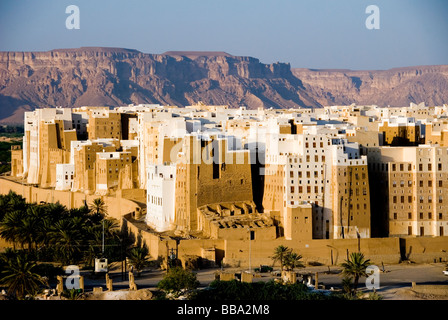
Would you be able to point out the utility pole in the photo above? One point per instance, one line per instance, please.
(167, 256)
(250, 240)
(340, 215)
(121, 255)
(103, 239)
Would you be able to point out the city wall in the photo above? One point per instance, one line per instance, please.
(325, 251)
(235, 253)
(155, 244)
(426, 250)
(116, 207)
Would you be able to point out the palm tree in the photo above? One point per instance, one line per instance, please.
(98, 207)
(10, 227)
(67, 238)
(355, 267)
(279, 254)
(28, 229)
(138, 258)
(19, 276)
(55, 210)
(5, 205)
(17, 201)
(292, 261)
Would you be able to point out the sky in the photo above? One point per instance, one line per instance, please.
(317, 34)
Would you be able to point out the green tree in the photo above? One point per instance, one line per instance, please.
(177, 279)
(19, 276)
(260, 290)
(5, 205)
(279, 254)
(98, 208)
(355, 267)
(67, 239)
(73, 294)
(138, 258)
(10, 227)
(292, 261)
(29, 226)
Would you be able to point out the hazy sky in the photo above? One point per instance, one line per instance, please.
(305, 33)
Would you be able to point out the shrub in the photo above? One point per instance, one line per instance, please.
(271, 290)
(177, 280)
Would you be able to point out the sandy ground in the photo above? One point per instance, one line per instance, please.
(142, 294)
(409, 294)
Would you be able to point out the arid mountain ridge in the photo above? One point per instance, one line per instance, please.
(114, 77)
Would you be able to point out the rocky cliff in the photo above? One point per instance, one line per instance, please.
(114, 76)
(394, 87)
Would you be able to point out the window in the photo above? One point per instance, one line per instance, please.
(409, 215)
(429, 167)
(429, 215)
(395, 216)
(421, 215)
(429, 183)
(420, 167)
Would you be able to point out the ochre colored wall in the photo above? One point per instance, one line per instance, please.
(116, 207)
(426, 249)
(236, 252)
(377, 250)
